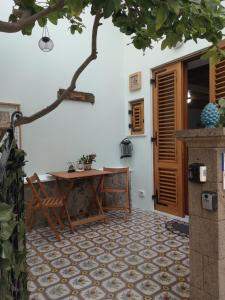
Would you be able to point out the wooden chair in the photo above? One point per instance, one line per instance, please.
(117, 189)
(43, 202)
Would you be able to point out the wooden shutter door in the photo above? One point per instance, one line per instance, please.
(217, 78)
(168, 152)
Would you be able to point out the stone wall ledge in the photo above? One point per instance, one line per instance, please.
(201, 133)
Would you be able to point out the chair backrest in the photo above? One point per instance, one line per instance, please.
(38, 191)
(118, 171)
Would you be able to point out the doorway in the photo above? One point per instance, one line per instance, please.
(180, 92)
(197, 90)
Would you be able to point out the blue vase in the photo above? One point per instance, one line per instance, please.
(210, 116)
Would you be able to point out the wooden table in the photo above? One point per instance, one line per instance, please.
(73, 177)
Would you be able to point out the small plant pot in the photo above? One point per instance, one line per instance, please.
(87, 166)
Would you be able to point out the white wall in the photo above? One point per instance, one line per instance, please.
(32, 77)
(142, 161)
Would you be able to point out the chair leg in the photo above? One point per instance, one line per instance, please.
(68, 216)
(127, 206)
(57, 216)
(51, 224)
(30, 222)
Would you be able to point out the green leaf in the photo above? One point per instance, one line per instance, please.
(5, 212)
(117, 4)
(108, 8)
(161, 16)
(174, 6)
(53, 18)
(7, 250)
(42, 22)
(164, 44)
(7, 229)
(76, 6)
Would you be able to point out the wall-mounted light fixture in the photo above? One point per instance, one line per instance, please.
(189, 99)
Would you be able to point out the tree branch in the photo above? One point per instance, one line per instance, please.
(72, 86)
(27, 20)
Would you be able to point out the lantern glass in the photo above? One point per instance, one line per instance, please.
(45, 44)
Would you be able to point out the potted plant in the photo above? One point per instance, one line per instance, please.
(87, 160)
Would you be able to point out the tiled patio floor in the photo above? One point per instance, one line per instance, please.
(133, 260)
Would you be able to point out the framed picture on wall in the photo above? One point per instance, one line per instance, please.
(135, 81)
(6, 110)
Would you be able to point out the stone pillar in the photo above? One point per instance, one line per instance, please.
(207, 228)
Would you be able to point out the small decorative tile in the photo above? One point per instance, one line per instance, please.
(40, 269)
(110, 246)
(132, 276)
(175, 255)
(135, 247)
(182, 289)
(117, 266)
(134, 260)
(34, 260)
(161, 248)
(85, 244)
(62, 243)
(69, 272)
(95, 251)
(105, 258)
(39, 242)
(148, 287)
(45, 248)
(70, 249)
(148, 268)
(37, 296)
(100, 240)
(148, 253)
(121, 252)
(80, 282)
(100, 274)
(88, 264)
(79, 256)
(57, 291)
(179, 270)
(166, 296)
(31, 286)
(113, 285)
(77, 239)
(48, 279)
(162, 261)
(52, 255)
(60, 263)
(129, 294)
(164, 278)
(93, 293)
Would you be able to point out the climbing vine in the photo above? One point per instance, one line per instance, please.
(13, 279)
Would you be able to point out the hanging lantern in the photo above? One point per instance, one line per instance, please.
(45, 43)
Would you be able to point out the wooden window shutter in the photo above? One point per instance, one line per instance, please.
(168, 108)
(217, 78)
(137, 116)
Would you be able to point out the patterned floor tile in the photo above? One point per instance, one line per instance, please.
(57, 291)
(80, 282)
(137, 259)
(69, 272)
(93, 293)
(48, 279)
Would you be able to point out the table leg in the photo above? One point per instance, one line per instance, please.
(65, 214)
(97, 198)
